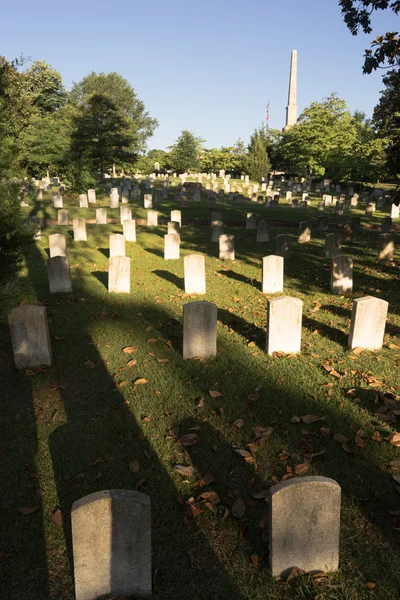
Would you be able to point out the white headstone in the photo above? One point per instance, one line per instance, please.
(368, 320)
(284, 325)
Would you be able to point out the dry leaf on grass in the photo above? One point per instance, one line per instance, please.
(238, 423)
(27, 510)
(140, 381)
(134, 466)
(238, 508)
(184, 470)
(131, 363)
(129, 349)
(189, 439)
(58, 518)
(341, 439)
(210, 497)
(307, 419)
(302, 468)
(214, 394)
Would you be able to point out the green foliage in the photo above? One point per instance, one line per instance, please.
(257, 163)
(46, 142)
(386, 119)
(385, 48)
(185, 152)
(101, 135)
(141, 126)
(329, 140)
(15, 233)
(144, 164)
(43, 86)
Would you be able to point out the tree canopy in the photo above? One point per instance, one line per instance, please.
(385, 49)
(185, 152)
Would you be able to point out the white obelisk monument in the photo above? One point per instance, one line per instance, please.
(291, 109)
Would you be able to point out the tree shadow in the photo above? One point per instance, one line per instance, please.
(171, 277)
(325, 330)
(155, 251)
(249, 331)
(101, 276)
(238, 277)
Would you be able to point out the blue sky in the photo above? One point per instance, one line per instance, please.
(208, 66)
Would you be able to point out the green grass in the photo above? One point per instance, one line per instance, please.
(72, 430)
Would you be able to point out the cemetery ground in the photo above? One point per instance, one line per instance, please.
(204, 439)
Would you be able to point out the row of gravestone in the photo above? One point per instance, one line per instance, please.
(111, 536)
(32, 348)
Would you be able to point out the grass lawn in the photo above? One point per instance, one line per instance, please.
(75, 428)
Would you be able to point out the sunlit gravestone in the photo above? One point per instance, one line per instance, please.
(117, 245)
(125, 213)
(30, 336)
(227, 247)
(91, 196)
(83, 201)
(176, 215)
(386, 247)
(152, 218)
(368, 321)
(341, 274)
(199, 329)
(111, 542)
(284, 316)
(304, 233)
(57, 245)
(101, 216)
(79, 227)
(119, 274)
(129, 230)
(272, 274)
(194, 274)
(171, 246)
(311, 541)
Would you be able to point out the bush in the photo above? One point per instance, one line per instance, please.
(15, 232)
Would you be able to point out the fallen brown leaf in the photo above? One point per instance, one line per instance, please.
(129, 349)
(27, 510)
(214, 394)
(184, 470)
(58, 518)
(302, 468)
(189, 439)
(307, 419)
(131, 363)
(140, 381)
(210, 497)
(238, 508)
(134, 466)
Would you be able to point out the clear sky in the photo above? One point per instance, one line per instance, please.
(208, 66)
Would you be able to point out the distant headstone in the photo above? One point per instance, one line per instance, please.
(152, 218)
(284, 325)
(119, 274)
(59, 275)
(83, 201)
(173, 227)
(30, 336)
(216, 232)
(216, 218)
(310, 543)
(62, 217)
(91, 196)
(171, 246)
(57, 245)
(199, 330)
(176, 215)
(251, 221)
(368, 320)
(58, 201)
(148, 201)
(262, 232)
(386, 246)
(304, 233)
(117, 245)
(333, 245)
(125, 213)
(322, 223)
(394, 211)
(227, 247)
(283, 245)
(272, 274)
(129, 230)
(101, 216)
(111, 541)
(79, 227)
(386, 224)
(341, 274)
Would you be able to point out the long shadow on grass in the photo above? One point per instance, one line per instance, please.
(171, 277)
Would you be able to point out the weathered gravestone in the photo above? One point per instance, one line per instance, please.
(152, 218)
(333, 245)
(57, 245)
(216, 232)
(386, 246)
(227, 247)
(30, 336)
(368, 320)
(125, 213)
(117, 245)
(59, 275)
(91, 196)
(194, 274)
(79, 227)
(171, 246)
(111, 541)
(83, 201)
(355, 223)
(304, 233)
(283, 245)
(119, 274)
(322, 223)
(216, 218)
(262, 232)
(114, 198)
(341, 274)
(311, 542)
(199, 329)
(176, 215)
(58, 201)
(251, 221)
(62, 217)
(101, 216)
(386, 224)
(148, 201)
(125, 196)
(272, 274)
(129, 230)
(173, 227)
(284, 325)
